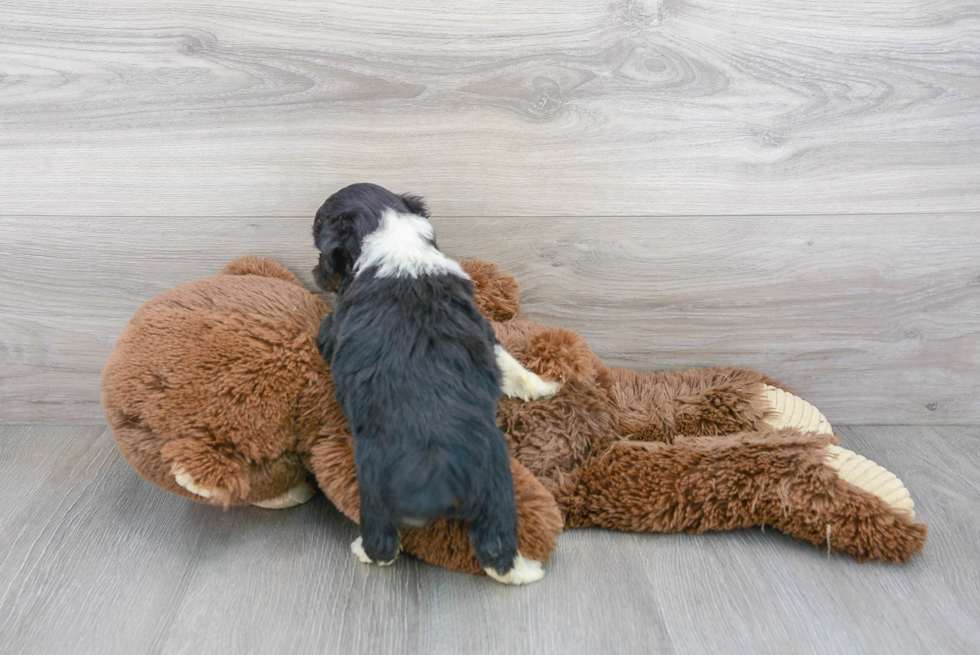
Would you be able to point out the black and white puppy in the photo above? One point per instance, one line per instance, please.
(418, 373)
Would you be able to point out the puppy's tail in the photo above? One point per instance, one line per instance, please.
(425, 490)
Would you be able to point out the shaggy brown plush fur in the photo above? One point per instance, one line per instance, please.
(769, 477)
(496, 295)
(221, 377)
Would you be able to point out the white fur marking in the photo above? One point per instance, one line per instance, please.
(401, 247)
(524, 571)
(518, 382)
(357, 547)
(184, 479)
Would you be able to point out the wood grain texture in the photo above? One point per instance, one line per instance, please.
(93, 559)
(503, 108)
(874, 319)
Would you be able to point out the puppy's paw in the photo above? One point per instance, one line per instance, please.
(357, 547)
(184, 479)
(518, 382)
(524, 571)
(529, 386)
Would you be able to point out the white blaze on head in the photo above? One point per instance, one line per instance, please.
(402, 247)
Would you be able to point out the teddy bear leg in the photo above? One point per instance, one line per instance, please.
(799, 483)
(790, 411)
(848, 503)
(695, 403)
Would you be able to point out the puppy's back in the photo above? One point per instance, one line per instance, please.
(415, 346)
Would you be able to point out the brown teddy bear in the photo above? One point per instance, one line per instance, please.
(216, 391)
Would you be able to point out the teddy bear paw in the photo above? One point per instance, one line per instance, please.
(184, 479)
(524, 571)
(789, 411)
(295, 496)
(871, 477)
(357, 547)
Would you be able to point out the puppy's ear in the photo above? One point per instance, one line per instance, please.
(415, 205)
(336, 238)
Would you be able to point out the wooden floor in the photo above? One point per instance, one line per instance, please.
(95, 560)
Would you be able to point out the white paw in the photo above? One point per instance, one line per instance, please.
(871, 477)
(529, 386)
(184, 479)
(295, 496)
(518, 382)
(357, 547)
(524, 571)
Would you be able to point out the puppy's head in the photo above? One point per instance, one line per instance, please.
(345, 219)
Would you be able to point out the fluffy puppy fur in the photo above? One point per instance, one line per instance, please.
(418, 373)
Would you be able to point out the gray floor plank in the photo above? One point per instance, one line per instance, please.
(95, 560)
(873, 319)
(570, 107)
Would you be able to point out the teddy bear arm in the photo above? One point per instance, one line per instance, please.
(782, 478)
(497, 294)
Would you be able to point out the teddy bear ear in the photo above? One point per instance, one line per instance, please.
(262, 267)
(415, 205)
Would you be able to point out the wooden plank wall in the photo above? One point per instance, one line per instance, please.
(784, 186)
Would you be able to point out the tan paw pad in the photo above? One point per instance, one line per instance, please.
(184, 479)
(295, 496)
(789, 411)
(871, 477)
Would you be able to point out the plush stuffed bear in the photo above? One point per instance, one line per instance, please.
(216, 391)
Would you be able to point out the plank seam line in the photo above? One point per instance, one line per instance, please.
(500, 216)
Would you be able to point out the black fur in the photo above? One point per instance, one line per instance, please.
(345, 219)
(414, 364)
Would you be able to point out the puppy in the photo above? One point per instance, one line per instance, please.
(418, 373)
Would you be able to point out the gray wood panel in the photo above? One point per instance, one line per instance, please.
(95, 560)
(509, 108)
(875, 319)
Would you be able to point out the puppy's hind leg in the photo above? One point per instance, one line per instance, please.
(380, 541)
(518, 382)
(494, 535)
